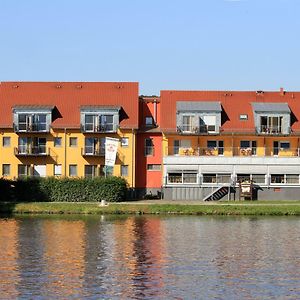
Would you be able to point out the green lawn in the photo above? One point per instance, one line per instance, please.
(219, 208)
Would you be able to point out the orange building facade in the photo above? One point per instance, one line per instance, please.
(149, 149)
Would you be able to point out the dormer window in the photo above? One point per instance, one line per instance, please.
(99, 119)
(198, 117)
(32, 122)
(32, 119)
(272, 118)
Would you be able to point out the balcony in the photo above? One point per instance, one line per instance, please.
(31, 150)
(233, 151)
(199, 130)
(272, 130)
(90, 128)
(34, 127)
(91, 151)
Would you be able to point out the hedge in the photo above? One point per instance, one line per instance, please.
(50, 189)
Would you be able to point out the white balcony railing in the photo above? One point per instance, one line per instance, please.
(232, 151)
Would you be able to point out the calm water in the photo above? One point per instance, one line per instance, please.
(150, 258)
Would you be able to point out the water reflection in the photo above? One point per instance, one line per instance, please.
(150, 257)
(139, 255)
(9, 273)
(63, 257)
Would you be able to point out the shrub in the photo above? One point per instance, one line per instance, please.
(111, 189)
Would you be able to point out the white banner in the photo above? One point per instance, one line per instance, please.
(111, 147)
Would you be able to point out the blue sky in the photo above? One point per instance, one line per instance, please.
(162, 44)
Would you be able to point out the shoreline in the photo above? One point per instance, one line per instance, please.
(156, 207)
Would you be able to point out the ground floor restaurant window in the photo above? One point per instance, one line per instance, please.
(182, 177)
(285, 178)
(216, 178)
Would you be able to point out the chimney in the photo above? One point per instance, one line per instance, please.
(282, 92)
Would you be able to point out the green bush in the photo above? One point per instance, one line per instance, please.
(111, 189)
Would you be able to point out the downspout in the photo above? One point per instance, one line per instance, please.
(133, 160)
(155, 111)
(65, 152)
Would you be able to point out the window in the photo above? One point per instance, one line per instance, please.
(6, 141)
(271, 125)
(23, 170)
(124, 170)
(57, 142)
(224, 178)
(39, 170)
(124, 142)
(292, 179)
(73, 142)
(284, 178)
(94, 146)
(153, 167)
(32, 146)
(243, 177)
(90, 171)
(107, 122)
(259, 178)
(277, 178)
(176, 145)
(98, 120)
(247, 148)
(32, 122)
(91, 123)
(208, 123)
(149, 147)
(73, 170)
(216, 178)
(187, 123)
(174, 177)
(284, 145)
(57, 170)
(215, 145)
(189, 177)
(149, 121)
(5, 170)
(209, 178)
(185, 177)
(108, 171)
(244, 117)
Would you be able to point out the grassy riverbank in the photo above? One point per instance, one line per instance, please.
(278, 208)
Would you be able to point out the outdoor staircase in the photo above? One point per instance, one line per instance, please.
(217, 194)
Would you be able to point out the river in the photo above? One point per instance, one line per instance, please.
(149, 257)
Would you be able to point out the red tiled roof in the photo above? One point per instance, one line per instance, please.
(68, 97)
(234, 104)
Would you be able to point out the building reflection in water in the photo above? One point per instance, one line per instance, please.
(248, 256)
(139, 256)
(64, 257)
(9, 273)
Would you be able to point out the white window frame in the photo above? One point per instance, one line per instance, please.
(57, 170)
(189, 125)
(182, 177)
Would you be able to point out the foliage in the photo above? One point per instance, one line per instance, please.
(111, 189)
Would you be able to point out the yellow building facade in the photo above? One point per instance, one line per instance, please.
(66, 137)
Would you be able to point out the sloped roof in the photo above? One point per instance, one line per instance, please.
(68, 97)
(198, 106)
(234, 104)
(271, 107)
